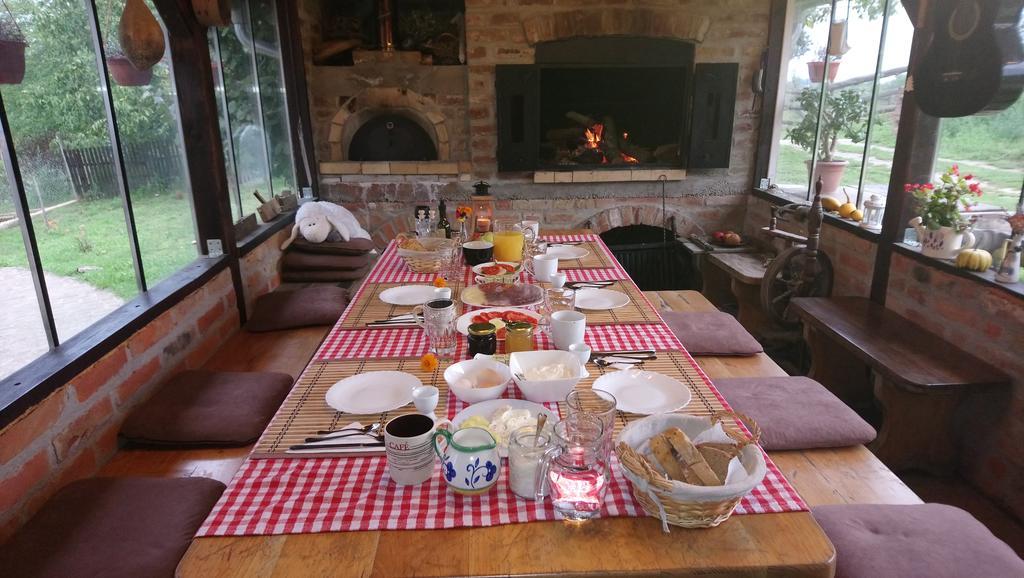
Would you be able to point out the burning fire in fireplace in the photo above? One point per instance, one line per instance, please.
(594, 140)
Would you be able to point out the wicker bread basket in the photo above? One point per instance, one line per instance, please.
(681, 504)
(428, 261)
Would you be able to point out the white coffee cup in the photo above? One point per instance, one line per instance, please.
(581, 351)
(567, 327)
(558, 280)
(409, 445)
(425, 399)
(544, 266)
(534, 225)
(442, 293)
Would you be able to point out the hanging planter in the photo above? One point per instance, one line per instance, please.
(816, 70)
(12, 49)
(124, 72)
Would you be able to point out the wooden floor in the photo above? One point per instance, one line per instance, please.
(822, 476)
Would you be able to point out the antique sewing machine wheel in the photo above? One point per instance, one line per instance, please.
(787, 277)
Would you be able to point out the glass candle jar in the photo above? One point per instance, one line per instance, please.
(518, 337)
(482, 339)
(525, 451)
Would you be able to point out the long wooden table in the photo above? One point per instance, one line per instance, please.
(788, 544)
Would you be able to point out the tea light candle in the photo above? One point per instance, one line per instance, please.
(483, 225)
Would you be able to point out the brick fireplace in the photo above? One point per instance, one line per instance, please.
(464, 99)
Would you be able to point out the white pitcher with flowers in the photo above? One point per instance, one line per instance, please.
(941, 226)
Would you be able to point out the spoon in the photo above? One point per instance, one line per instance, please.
(542, 418)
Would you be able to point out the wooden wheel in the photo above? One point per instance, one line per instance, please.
(787, 276)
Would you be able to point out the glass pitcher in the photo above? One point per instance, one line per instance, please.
(575, 468)
(510, 239)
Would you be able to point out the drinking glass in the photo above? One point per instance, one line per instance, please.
(600, 404)
(560, 299)
(509, 240)
(575, 468)
(439, 324)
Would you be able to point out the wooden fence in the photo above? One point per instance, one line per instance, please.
(91, 169)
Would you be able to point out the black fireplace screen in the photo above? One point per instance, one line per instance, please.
(605, 115)
(391, 137)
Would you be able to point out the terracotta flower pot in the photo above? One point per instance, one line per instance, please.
(816, 70)
(12, 61)
(831, 173)
(125, 74)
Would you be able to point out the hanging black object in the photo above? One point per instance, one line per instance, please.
(482, 188)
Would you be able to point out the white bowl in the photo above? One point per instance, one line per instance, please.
(468, 370)
(542, 391)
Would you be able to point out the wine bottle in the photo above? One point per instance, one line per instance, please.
(442, 220)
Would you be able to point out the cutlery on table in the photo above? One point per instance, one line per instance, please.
(396, 320)
(635, 354)
(566, 244)
(613, 360)
(367, 430)
(299, 447)
(589, 284)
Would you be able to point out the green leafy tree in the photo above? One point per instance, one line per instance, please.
(845, 116)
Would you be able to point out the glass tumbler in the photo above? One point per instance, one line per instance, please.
(599, 404)
(575, 468)
(438, 323)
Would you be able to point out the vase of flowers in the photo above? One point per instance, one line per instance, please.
(462, 215)
(941, 226)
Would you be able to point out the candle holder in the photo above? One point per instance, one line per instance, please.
(483, 207)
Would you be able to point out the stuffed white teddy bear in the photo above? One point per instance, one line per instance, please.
(317, 220)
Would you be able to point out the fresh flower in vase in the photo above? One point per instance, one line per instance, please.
(941, 226)
(462, 214)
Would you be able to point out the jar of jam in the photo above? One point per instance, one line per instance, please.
(518, 337)
(482, 339)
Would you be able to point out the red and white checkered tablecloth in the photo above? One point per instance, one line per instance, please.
(310, 495)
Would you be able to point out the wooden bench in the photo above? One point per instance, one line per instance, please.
(851, 475)
(919, 379)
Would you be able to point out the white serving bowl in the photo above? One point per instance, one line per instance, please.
(542, 391)
(469, 369)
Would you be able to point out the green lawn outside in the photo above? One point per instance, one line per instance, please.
(93, 234)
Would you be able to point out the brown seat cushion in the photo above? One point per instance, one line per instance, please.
(201, 408)
(297, 261)
(319, 305)
(112, 527)
(290, 276)
(350, 247)
(795, 413)
(711, 333)
(926, 540)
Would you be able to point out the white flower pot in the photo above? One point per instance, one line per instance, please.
(941, 243)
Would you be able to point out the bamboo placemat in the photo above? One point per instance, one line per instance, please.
(639, 310)
(599, 258)
(674, 364)
(305, 411)
(368, 307)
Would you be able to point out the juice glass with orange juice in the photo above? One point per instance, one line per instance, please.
(509, 239)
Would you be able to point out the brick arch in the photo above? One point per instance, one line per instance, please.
(609, 219)
(376, 100)
(674, 24)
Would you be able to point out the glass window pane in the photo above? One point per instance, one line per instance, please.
(241, 92)
(58, 125)
(22, 337)
(146, 108)
(224, 122)
(272, 94)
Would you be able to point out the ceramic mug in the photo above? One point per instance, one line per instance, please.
(470, 462)
(567, 327)
(408, 444)
(544, 267)
(438, 322)
(477, 252)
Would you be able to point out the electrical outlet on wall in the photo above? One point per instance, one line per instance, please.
(214, 248)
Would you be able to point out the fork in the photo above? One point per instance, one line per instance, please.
(347, 431)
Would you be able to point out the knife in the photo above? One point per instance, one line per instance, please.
(335, 446)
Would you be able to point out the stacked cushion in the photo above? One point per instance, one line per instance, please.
(208, 408)
(795, 413)
(933, 540)
(307, 307)
(307, 262)
(711, 333)
(112, 527)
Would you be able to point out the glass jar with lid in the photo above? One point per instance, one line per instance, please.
(526, 449)
(518, 337)
(482, 339)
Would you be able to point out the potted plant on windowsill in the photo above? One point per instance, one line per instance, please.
(941, 226)
(844, 116)
(12, 51)
(123, 71)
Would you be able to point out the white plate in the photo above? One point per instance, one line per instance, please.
(565, 252)
(644, 392)
(601, 299)
(373, 392)
(486, 408)
(462, 323)
(532, 295)
(408, 294)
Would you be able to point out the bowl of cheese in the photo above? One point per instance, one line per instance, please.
(545, 376)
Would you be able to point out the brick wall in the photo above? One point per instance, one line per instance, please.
(853, 257)
(73, 432)
(501, 32)
(261, 268)
(988, 322)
